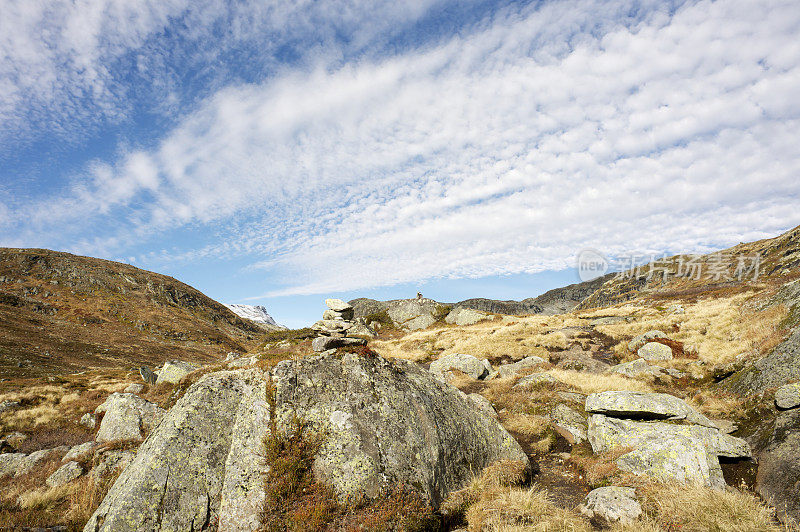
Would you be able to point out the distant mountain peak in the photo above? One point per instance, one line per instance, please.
(256, 313)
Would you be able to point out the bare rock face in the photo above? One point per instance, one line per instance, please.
(127, 417)
(383, 423)
(778, 477)
(389, 422)
(474, 367)
(465, 316)
(610, 505)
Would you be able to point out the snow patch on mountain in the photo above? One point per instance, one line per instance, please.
(256, 313)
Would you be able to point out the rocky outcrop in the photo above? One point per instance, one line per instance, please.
(65, 474)
(653, 351)
(382, 424)
(174, 370)
(788, 396)
(644, 406)
(474, 367)
(778, 477)
(126, 417)
(464, 316)
(611, 505)
(780, 367)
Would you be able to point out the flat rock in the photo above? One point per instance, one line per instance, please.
(174, 370)
(511, 370)
(572, 425)
(655, 351)
(644, 406)
(788, 396)
(464, 316)
(611, 505)
(667, 452)
(80, 452)
(637, 368)
(642, 339)
(134, 388)
(338, 305)
(474, 367)
(64, 474)
(323, 343)
(126, 417)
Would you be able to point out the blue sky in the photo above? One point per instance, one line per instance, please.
(279, 152)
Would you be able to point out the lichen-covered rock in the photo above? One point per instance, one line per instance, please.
(174, 370)
(483, 404)
(642, 339)
(610, 505)
(388, 422)
(9, 462)
(18, 464)
(636, 368)
(88, 420)
(147, 375)
(135, 387)
(655, 351)
(332, 327)
(667, 452)
(126, 417)
(511, 370)
(80, 452)
(780, 367)
(337, 305)
(64, 474)
(788, 396)
(535, 379)
(177, 478)
(778, 477)
(464, 316)
(109, 462)
(569, 424)
(644, 406)
(474, 367)
(413, 314)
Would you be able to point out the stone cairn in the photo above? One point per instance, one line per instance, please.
(336, 323)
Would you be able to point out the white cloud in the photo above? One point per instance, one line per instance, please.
(502, 151)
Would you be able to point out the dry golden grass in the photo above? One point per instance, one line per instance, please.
(517, 510)
(593, 383)
(525, 425)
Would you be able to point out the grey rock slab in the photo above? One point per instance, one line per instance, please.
(9, 462)
(126, 417)
(642, 339)
(644, 406)
(323, 343)
(474, 367)
(667, 452)
(778, 476)
(80, 452)
(511, 370)
(572, 424)
(111, 461)
(338, 305)
(174, 370)
(655, 351)
(389, 422)
(134, 388)
(610, 505)
(462, 316)
(483, 404)
(147, 375)
(788, 396)
(636, 368)
(64, 474)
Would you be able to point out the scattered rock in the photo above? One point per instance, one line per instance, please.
(569, 424)
(667, 452)
(30, 461)
(610, 505)
(323, 343)
(484, 405)
(788, 396)
(9, 462)
(655, 351)
(80, 452)
(644, 406)
(511, 370)
(642, 339)
(472, 366)
(535, 379)
(147, 375)
(464, 316)
(126, 417)
(88, 420)
(8, 405)
(637, 368)
(174, 370)
(110, 461)
(134, 388)
(65, 474)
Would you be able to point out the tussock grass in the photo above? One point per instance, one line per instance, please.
(518, 510)
(593, 383)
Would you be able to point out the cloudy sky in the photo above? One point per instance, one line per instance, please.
(274, 152)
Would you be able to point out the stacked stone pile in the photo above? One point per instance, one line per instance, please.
(338, 328)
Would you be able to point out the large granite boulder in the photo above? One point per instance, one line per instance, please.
(644, 406)
(126, 417)
(655, 351)
(174, 370)
(780, 367)
(778, 477)
(474, 367)
(464, 316)
(665, 451)
(383, 423)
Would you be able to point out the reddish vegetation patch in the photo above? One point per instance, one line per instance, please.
(678, 350)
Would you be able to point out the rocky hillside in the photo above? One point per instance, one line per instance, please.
(741, 265)
(62, 312)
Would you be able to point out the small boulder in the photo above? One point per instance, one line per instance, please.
(9, 462)
(174, 370)
(788, 396)
(642, 339)
(134, 388)
(109, 462)
(64, 474)
(147, 375)
(80, 452)
(126, 417)
(464, 316)
(535, 379)
(610, 505)
(338, 305)
(511, 370)
(88, 420)
(569, 423)
(637, 368)
(644, 406)
(655, 351)
(474, 367)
